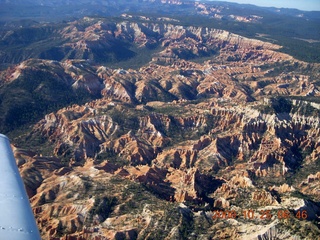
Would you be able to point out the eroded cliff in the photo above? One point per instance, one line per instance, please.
(157, 150)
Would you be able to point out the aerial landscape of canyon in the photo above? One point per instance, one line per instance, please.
(164, 119)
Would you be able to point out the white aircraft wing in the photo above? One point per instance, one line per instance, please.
(17, 221)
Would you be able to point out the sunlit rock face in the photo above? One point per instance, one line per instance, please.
(218, 158)
(158, 149)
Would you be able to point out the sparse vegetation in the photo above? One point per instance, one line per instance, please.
(200, 143)
(102, 208)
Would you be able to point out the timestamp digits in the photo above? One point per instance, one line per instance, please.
(251, 214)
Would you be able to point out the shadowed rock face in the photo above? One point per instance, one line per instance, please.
(217, 156)
(163, 146)
(102, 41)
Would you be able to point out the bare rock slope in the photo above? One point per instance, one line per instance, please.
(161, 148)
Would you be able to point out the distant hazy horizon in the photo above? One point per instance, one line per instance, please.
(306, 5)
